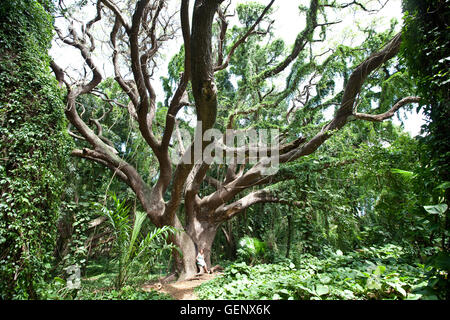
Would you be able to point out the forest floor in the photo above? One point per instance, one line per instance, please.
(181, 290)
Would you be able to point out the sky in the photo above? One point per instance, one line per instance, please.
(287, 25)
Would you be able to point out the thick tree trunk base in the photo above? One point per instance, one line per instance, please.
(198, 235)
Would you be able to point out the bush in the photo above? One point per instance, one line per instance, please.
(372, 273)
(251, 249)
(131, 245)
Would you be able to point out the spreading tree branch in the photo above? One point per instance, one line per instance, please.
(222, 65)
(388, 114)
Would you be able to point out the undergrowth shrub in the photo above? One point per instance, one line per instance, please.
(371, 273)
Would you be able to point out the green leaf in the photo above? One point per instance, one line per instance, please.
(322, 290)
(379, 270)
(444, 185)
(403, 173)
(324, 279)
(59, 280)
(413, 296)
(441, 261)
(401, 290)
(373, 284)
(284, 291)
(348, 294)
(397, 287)
(438, 209)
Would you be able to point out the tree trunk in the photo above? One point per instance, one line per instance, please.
(230, 240)
(203, 233)
(199, 234)
(184, 263)
(289, 235)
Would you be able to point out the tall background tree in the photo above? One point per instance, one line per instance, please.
(427, 55)
(426, 51)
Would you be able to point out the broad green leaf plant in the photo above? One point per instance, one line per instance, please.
(132, 245)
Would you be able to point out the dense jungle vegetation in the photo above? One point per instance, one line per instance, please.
(92, 205)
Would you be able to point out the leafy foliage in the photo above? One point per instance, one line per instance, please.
(98, 284)
(132, 247)
(425, 50)
(370, 273)
(34, 149)
(371, 191)
(251, 249)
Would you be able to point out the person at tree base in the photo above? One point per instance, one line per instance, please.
(201, 262)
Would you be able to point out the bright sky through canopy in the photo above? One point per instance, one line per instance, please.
(288, 22)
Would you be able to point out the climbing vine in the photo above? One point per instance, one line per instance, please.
(33, 149)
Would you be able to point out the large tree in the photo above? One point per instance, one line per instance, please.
(226, 75)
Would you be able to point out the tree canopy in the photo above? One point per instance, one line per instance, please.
(254, 148)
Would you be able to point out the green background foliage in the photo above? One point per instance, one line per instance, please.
(371, 273)
(426, 43)
(33, 146)
(363, 217)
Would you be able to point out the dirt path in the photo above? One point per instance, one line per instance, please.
(182, 290)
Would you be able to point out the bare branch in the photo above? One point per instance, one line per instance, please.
(352, 89)
(95, 156)
(107, 99)
(87, 30)
(213, 182)
(388, 114)
(111, 5)
(226, 212)
(145, 104)
(355, 3)
(254, 176)
(128, 89)
(300, 43)
(250, 31)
